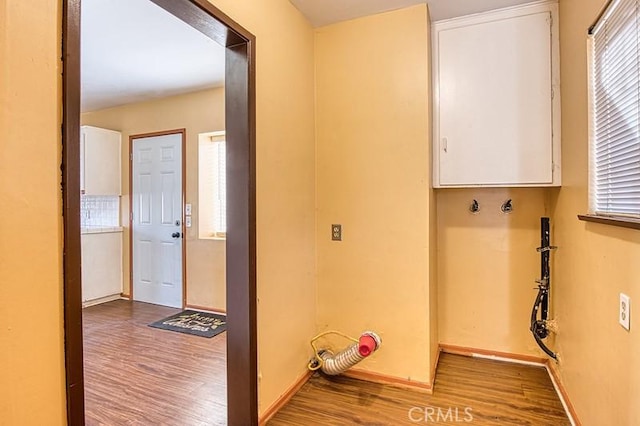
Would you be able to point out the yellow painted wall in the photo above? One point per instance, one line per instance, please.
(31, 99)
(198, 112)
(373, 177)
(600, 361)
(434, 332)
(285, 189)
(31, 339)
(487, 264)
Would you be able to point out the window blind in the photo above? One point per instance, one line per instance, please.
(220, 188)
(212, 185)
(615, 111)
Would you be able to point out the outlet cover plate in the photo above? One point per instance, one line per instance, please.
(625, 311)
(336, 232)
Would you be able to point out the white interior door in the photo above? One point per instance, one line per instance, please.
(157, 220)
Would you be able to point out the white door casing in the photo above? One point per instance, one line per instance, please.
(157, 231)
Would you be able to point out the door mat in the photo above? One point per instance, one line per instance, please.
(197, 323)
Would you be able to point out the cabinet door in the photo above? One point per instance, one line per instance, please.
(101, 163)
(494, 82)
(83, 136)
(101, 265)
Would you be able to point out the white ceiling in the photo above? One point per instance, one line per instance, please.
(132, 50)
(325, 12)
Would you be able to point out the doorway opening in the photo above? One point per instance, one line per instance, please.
(242, 407)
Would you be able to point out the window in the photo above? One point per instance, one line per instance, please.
(212, 186)
(614, 66)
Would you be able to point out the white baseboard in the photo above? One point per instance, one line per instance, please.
(100, 300)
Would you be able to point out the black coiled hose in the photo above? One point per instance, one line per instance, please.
(538, 327)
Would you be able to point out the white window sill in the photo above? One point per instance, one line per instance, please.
(624, 222)
(213, 238)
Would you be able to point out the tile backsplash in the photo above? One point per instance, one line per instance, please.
(99, 211)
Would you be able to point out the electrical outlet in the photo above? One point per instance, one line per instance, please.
(625, 311)
(336, 232)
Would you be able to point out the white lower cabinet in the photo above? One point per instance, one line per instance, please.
(101, 265)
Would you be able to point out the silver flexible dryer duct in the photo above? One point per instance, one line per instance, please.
(333, 364)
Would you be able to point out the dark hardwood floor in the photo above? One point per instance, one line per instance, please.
(467, 391)
(138, 375)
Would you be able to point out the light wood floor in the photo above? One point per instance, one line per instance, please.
(492, 392)
(138, 375)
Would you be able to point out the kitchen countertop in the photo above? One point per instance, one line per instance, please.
(101, 230)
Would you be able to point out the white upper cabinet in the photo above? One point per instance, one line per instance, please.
(497, 98)
(100, 164)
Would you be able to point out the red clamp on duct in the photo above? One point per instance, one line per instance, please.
(367, 344)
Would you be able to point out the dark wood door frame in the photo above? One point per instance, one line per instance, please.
(242, 377)
(183, 192)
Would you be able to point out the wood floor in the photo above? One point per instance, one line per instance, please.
(467, 391)
(138, 375)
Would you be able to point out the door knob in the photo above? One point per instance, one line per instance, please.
(176, 235)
